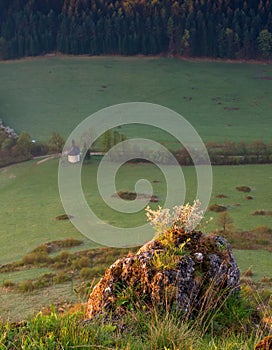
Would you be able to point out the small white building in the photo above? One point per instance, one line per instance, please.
(73, 158)
(74, 153)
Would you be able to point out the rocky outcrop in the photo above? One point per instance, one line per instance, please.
(7, 130)
(187, 270)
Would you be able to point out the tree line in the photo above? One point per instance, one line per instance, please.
(230, 153)
(17, 148)
(210, 28)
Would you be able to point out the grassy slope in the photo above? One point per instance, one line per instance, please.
(28, 211)
(54, 94)
(45, 95)
(251, 259)
(29, 204)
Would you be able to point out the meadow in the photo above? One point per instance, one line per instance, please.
(221, 100)
(30, 200)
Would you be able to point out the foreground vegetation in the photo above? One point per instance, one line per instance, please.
(157, 330)
(237, 323)
(232, 320)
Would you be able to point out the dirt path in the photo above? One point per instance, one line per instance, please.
(53, 156)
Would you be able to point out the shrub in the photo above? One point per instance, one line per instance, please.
(57, 245)
(8, 284)
(88, 272)
(262, 212)
(126, 195)
(36, 258)
(248, 198)
(248, 272)
(59, 265)
(243, 188)
(26, 286)
(261, 230)
(69, 242)
(41, 249)
(266, 279)
(217, 208)
(39, 149)
(64, 217)
(64, 257)
(81, 262)
(43, 281)
(61, 277)
(221, 196)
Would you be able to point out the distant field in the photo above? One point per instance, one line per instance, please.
(30, 201)
(221, 100)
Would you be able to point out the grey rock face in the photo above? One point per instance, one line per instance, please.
(165, 272)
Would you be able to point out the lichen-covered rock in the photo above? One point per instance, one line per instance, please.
(187, 270)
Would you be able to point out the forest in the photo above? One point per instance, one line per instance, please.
(233, 29)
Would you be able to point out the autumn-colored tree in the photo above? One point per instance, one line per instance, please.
(224, 222)
(56, 142)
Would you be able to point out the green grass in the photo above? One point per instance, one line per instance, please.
(29, 204)
(251, 259)
(54, 94)
(19, 276)
(30, 201)
(258, 178)
(158, 330)
(18, 306)
(221, 100)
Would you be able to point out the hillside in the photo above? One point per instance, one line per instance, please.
(221, 100)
